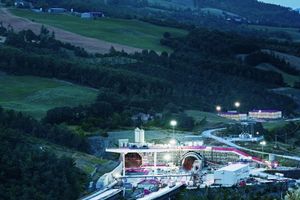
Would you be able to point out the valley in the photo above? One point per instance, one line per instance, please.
(147, 99)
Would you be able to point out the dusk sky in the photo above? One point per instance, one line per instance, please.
(287, 3)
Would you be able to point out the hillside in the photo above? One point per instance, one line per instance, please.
(71, 88)
(132, 33)
(90, 44)
(35, 95)
(288, 78)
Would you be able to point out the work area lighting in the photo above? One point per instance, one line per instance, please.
(173, 142)
(237, 104)
(173, 123)
(167, 157)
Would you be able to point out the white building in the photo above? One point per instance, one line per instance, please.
(234, 115)
(123, 143)
(91, 15)
(265, 114)
(231, 174)
(139, 136)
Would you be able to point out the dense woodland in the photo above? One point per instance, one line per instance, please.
(30, 172)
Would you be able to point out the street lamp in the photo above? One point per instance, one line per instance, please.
(173, 123)
(262, 143)
(218, 108)
(173, 142)
(237, 104)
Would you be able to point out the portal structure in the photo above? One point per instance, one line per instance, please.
(189, 156)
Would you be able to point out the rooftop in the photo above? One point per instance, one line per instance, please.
(231, 113)
(269, 111)
(233, 167)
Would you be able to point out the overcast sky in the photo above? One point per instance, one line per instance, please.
(287, 3)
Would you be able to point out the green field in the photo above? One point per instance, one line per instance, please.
(210, 117)
(34, 95)
(127, 32)
(218, 12)
(172, 3)
(206, 120)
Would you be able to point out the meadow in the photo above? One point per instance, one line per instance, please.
(35, 96)
(132, 33)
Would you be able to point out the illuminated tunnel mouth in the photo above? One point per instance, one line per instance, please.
(133, 160)
(192, 161)
(188, 163)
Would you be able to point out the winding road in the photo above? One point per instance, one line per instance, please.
(209, 134)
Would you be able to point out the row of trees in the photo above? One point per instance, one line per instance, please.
(45, 41)
(259, 57)
(31, 127)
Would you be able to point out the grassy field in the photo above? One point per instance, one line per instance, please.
(218, 12)
(173, 3)
(206, 120)
(210, 117)
(34, 95)
(274, 124)
(127, 32)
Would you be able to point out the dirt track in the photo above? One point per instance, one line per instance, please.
(90, 44)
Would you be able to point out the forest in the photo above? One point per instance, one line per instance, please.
(201, 72)
(30, 172)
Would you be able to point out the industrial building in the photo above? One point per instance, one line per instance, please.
(234, 115)
(231, 174)
(265, 114)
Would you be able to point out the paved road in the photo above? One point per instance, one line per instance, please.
(209, 134)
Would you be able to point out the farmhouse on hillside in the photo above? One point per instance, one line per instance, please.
(92, 15)
(57, 10)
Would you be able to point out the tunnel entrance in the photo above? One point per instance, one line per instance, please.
(192, 161)
(188, 163)
(133, 160)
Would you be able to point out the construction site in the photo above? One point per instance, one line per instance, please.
(158, 171)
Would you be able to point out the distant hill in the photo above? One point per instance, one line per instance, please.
(252, 11)
(255, 11)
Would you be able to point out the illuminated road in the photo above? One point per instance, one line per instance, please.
(209, 134)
